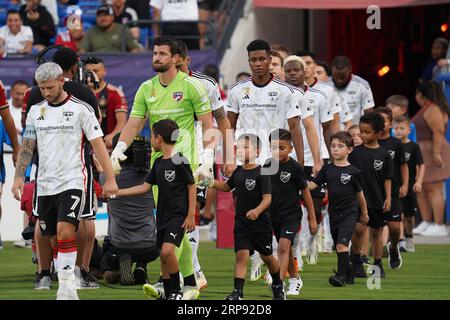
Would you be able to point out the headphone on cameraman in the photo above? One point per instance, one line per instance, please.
(47, 54)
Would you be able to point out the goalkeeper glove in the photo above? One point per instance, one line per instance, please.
(205, 171)
(118, 155)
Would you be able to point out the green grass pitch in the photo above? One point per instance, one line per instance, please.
(424, 275)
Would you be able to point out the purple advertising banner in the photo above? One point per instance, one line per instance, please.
(126, 71)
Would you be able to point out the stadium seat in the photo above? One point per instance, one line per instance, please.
(143, 37)
(89, 11)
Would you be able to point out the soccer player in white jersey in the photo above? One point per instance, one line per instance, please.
(354, 90)
(276, 65)
(261, 104)
(56, 128)
(318, 103)
(220, 115)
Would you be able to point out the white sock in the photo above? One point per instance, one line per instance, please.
(194, 239)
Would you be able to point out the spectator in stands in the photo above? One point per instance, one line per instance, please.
(431, 124)
(41, 22)
(107, 35)
(186, 11)
(142, 8)
(242, 75)
(131, 228)
(52, 8)
(111, 101)
(73, 36)
(438, 52)
(15, 38)
(124, 14)
(281, 49)
(207, 9)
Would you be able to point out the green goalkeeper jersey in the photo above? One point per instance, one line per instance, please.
(180, 101)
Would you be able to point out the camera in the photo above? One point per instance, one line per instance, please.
(85, 76)
(141, 154)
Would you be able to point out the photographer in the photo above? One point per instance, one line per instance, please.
(131, 226)
(67, 59)
(111, 100)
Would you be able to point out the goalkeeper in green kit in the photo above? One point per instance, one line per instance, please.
(172, 95)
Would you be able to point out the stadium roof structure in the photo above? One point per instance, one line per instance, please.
(341, 4)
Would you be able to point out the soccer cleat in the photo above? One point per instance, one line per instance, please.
(176, 296)
(67, 288)
(153, 292)
(256, 272)
(337, 280)
(278, 292)
(22, 243)
(410, 245)
(140, 276)
(423, 226)
(295, 284)
(365, 260)
(395, 259)
(190, 293)
(235, 295)
(200, 278)
(43, 282)
(268, 278)
(87, 280)
(402, 246)
(358, 268)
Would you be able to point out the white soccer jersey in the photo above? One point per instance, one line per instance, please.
(59, 133)
(358, 96)
(213, 91)
(319, 104)
(262, 109)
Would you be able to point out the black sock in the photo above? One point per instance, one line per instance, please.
(401, 239)
(239, 284)
(175, 282)
(408, 235)
(377, 262)
(343, 262)
(190, 281)
(276, 280)
(167, 283)
(356, 257)
(45, 273)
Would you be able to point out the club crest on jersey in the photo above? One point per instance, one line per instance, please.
(273, 94)
(285, 176)
(345, 178)
(407, 156)
(250, 184)
(178, 96)
(152, 96)
(392, 153)
(67, 115)
(169, 175)
(246, 93)
(378, 165)
(42, 114)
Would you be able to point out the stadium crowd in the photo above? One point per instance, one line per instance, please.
(314, 165)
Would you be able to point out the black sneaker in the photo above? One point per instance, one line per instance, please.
(350, 276)
(140, 276)
(395, 259)
(176, 296)
(358, 268)
(87, 280)
(337, 280)
(365, 259)
(235, 295)
(278, 292)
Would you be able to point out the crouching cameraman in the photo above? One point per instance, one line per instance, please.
(131, 226)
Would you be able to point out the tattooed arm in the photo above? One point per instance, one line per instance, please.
(25, 156)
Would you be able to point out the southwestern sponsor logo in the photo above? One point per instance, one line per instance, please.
(259, 106)
(55, 128)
